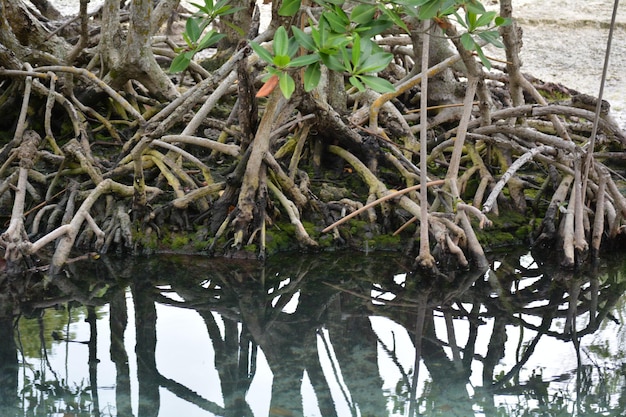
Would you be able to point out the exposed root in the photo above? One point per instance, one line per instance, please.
(119, 160)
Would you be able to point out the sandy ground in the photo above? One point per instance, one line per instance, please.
(564, 42)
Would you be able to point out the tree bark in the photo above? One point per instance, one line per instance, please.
(25, 36)
(133, 59)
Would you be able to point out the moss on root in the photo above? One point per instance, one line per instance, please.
(509, 229)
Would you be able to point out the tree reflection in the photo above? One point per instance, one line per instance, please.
(118, 320)
(8, 359)
(475, 336)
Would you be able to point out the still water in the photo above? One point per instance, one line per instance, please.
(323, 335)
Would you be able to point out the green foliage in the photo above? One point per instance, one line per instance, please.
(180, 241)
(280, 238)
(342, 41)
(479, 22)
(196, 37)
(345, 42)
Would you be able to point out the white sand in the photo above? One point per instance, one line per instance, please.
(565, 42)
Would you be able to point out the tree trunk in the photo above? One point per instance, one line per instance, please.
(255, 170)
(134, 58)
(26, 37)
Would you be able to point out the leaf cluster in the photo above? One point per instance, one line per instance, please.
(469, 14)
(341, 40)
(196, 35)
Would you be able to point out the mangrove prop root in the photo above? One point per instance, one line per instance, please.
(227, 180)
(391, 195)
(292, 211)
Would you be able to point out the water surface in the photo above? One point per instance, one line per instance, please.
(323, 335)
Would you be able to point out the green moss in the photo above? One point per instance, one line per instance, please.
(252, 248)
(508, 220)
(167, 240)
(496, 238)
(554, 95)
(358, 227)
(508, 229)
(326, 241)
(470, 188)
(179, 241)
(526, 231)
(199, 245)
(385, 242)
(280, 237)
(146, 238)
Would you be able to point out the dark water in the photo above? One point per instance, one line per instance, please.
(325, 335)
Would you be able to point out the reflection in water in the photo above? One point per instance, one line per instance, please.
(317, 336)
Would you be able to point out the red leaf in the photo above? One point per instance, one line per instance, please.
(268, 87)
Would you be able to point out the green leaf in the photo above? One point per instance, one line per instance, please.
(493, 37)
(192, 29)
(304, 60)
(414, 3)
(461, 20)
(376, 62)
(206, 9)
(502, 21)
(470, 20)
(393, 17)
(281, 61)
(338, 10)
(325, 3)
(377, 84)
(376, 27)
(304, 39)
(188, 41)
(356, 50)
(316, 37)
(234, 27)
(485, 19)
(333, 63)
(289, 7)
(263, 53)
(357, 83)
(294, 46)
(179, 64)
(429, 9)
(312, 76)
(337, 40)
(281, 42)
(345, 56)
(363, 13)
(474, 6)
(448, 7)
(336, 23)
(226, 10)
(209, 39)
(367, 48)
(468, 42)
(222, 8)
(287, 84)
(482, 57)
